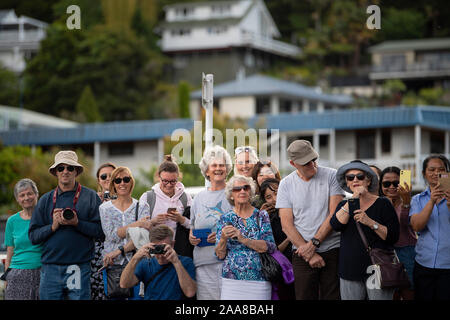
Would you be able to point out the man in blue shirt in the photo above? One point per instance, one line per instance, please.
(166, 276)
(66, 221)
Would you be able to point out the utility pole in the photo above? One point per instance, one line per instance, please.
(207, 104)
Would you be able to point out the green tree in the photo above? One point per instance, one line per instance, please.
(9, 88)
(87, 108)
(183, 99)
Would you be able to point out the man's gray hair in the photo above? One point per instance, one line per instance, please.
(215, 152)
(24, 184)
(233, 180)
(160, 232)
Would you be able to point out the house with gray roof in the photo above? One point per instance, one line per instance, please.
(260, 94)
(19, 39)
(227, 37)
(418, 63)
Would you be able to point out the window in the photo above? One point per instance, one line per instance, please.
(437, 142)
(285, 106)
(180, 32)
(121, 148)
(386, 140)
(217, 30)
(262, 105)
(365, 144)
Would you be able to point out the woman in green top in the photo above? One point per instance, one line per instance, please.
(23, 259)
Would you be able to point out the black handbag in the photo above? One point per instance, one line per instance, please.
(182, 245)
(392, 272)
(113, 273)
(113, 290)
(270, 268)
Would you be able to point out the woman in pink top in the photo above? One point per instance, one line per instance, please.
(400, 196)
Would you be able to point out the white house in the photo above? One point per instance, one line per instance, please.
(19, 39)
(233, 36)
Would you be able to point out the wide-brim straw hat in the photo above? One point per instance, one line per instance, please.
(66, 157)
(356, 165)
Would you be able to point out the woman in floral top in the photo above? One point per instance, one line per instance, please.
(241, 235)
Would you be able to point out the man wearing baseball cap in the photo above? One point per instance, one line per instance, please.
(66, 220)
(307, 199)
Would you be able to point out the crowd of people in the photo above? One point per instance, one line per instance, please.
(79, 244)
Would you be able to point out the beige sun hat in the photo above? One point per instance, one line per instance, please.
(67, 157)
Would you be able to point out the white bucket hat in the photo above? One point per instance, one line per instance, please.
(67, 157)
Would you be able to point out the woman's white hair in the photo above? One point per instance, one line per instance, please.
(23, 185)
(215, 152)
(233, 180)
(252, 155)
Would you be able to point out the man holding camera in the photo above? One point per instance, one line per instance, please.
(166, 276)
(66, 220)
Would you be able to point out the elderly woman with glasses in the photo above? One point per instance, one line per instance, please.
(378, 222)
(245, 159)
(242, 234)
(118, 215)
(23, 259)
(207, 208)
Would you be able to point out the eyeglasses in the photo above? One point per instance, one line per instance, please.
(387, 184)
(242, 149)
(61, 168)
(172, 182)
(124, 179)
(105, 176)
(238, 189)
(359, 176)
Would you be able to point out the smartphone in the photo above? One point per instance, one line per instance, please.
(169, 210)
(444, 181)
(353, 204)
(405, 177)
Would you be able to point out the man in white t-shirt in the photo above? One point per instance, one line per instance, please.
(307, 198)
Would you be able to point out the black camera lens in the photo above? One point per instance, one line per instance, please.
(68, 214)
(158, 249)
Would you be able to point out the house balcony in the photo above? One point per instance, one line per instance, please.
(401, 70)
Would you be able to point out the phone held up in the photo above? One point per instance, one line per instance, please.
(353, 204)
(444, 181)
(405, 177)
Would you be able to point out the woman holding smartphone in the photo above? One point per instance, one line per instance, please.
(430, 217)
(376, 217)
(400, 197)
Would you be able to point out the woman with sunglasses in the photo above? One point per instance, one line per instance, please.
(245, 159)
(377, 220)
(118, 215)
(430, 217)
(103, 180)
(242, 234)
(400, 197)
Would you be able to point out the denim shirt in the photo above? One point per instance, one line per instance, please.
(433, 245)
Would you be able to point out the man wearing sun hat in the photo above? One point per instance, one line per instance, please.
(66, 220)
(307, 198)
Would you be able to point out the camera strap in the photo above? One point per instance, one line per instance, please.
(75, 199)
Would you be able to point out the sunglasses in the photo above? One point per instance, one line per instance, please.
(238, 189)
(242, 149)
(105, 176)
(124, 179)
(359, 176)
(387, 184)
(61, 168)
(172, 182)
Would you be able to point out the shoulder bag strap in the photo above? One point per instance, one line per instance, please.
(151, 200)
(156, 274)
(183, 199)
(137, 212)
(363, 237)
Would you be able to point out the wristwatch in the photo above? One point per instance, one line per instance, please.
(375, 227)
(315, 242)
(122, 250)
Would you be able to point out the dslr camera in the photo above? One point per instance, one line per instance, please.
(68, 214)
(158, 249)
